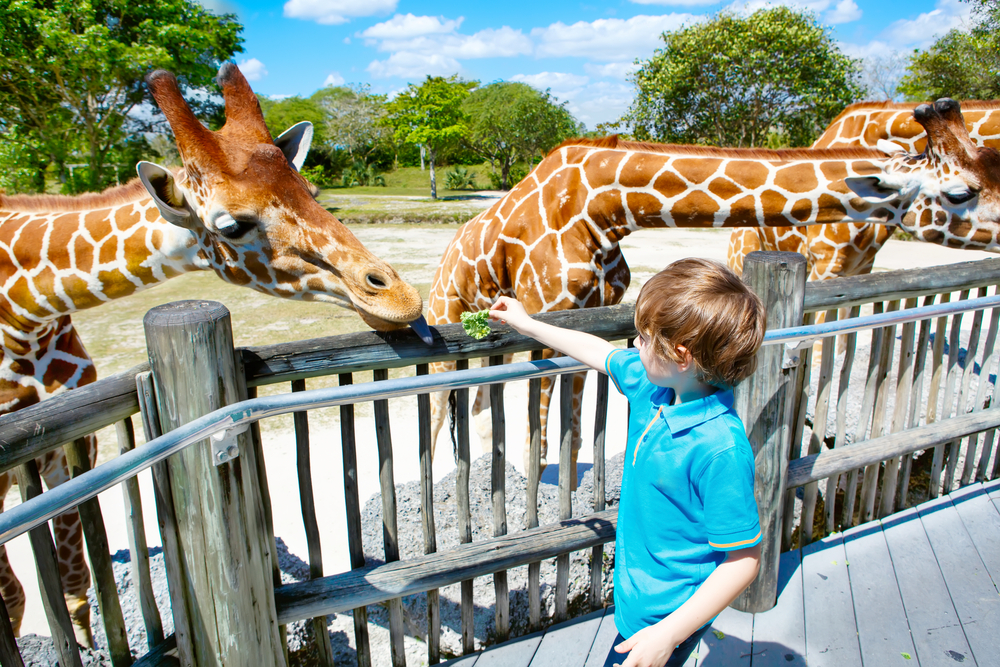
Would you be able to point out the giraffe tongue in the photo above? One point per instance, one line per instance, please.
(419, 325)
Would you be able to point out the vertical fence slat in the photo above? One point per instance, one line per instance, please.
(868, 491)
(816, 438)
(795, 450)
(92, 521)
(427, 517)
(307, 505)
(135, 529)
(464, 464)
(938, 373)
(498, 481)
(566, 482)
(840, 438)
(916, 401)
(600, 430)
(983, 399)
(972, 442)
(904, 386)
(945, 468)
(352, 504)
(9, 653)
(390, 532)
(166, 520)
(30, 484)
(534, 477)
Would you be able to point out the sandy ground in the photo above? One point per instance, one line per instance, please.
(418, 249)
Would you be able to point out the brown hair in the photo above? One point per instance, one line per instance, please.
(705, 307)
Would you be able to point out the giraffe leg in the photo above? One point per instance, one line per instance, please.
(439, 403)
(10, 587)
(481, 410)
(577, 425)
(68, 533)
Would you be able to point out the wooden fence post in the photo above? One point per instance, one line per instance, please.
(766, 403)
(225, 552)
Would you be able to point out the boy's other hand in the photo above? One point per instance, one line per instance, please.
(650, 647)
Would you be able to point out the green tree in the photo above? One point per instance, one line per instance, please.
(72, 70)
(282, 114)
(430, 115)
(733, 80)
(511, 122)
(354, 119)
(962, 64)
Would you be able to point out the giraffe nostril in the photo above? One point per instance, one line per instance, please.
(376, 281)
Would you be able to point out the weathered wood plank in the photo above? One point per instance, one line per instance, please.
(604, 639)
(163, 655)
(534, 477)
(779, 634)
(841, 292)
(934, 624)
(728, 641)
(567, 482)
(982, 519)
(840, 438)
(464, 661)
(374, 584)
(831, 628)
(425, 451)
(498, 486)
(464, 512)
(882, 630)
(811, 468)
(969, 584)
(568, 644)
(9, 653)
(515, 653)
(600, 428)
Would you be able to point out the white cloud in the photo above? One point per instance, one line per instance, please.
(560, 83)
(600, 102)
(620, 71)
(408, 65)
(675, 3)
(608, 39)
(408, 26)
(502, 42)
(331, 12)
(923, 30)
(333, 79)
(253, 69)
(844, 12)
(874, 48)
(277, 97)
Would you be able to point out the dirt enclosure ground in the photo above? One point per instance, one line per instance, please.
(113, 335)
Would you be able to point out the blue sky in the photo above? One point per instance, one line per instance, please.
(582, 51)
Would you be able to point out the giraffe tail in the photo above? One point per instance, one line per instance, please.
(453, 423)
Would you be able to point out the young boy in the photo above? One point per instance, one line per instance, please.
(688, 539)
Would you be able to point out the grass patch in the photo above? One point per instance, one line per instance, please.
(412, 182)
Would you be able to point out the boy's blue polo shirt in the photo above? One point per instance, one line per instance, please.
(686, 495)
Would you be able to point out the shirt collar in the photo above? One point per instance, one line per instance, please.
(687, 415)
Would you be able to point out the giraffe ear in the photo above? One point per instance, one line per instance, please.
(294, 143)
(875, 189)
(169, 199)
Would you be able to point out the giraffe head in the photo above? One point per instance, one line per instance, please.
(240, 194)
(950, 192)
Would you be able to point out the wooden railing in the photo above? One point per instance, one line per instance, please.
(26, 434)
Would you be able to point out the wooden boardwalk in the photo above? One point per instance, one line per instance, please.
(917, 588)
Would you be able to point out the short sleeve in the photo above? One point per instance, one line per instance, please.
(626, 372)
(726, 487)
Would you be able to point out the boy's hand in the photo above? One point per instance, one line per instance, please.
(509, 311)
(650, 647)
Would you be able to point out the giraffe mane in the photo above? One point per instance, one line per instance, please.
(967, 105)
(614, 142)
(114, 196)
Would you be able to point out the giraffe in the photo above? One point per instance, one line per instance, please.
(237, 207)
(849, 249)
(552, 241)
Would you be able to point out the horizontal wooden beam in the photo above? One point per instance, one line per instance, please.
(887, 286)
(852, 457)
(374, 584)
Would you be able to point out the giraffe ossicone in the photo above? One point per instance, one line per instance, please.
(552, 241)
(237, 206)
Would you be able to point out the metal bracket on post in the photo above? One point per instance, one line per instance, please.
(792, 357)
(225, 448)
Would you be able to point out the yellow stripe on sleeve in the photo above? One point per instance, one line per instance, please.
(732, 545)
(607, 370)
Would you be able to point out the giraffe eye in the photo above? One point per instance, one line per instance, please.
(233, 228)
(959, 195)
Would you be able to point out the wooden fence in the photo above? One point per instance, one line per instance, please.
(874, 459)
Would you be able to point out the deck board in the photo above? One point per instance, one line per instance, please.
(779, 635)
(568, 644)
(883, 632)
(831, 629)
(969, 584)
(934, 625)
(923, 582)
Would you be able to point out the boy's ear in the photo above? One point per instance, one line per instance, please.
(686, 358)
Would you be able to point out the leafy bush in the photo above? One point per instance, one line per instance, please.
(517, 174)
(460, 178)
(361, 174)
(318, 176)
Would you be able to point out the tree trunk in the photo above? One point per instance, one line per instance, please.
(430, 160)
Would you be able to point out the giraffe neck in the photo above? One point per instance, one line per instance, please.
(625, 189)
(55, 262)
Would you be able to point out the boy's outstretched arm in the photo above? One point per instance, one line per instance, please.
(584, 347)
